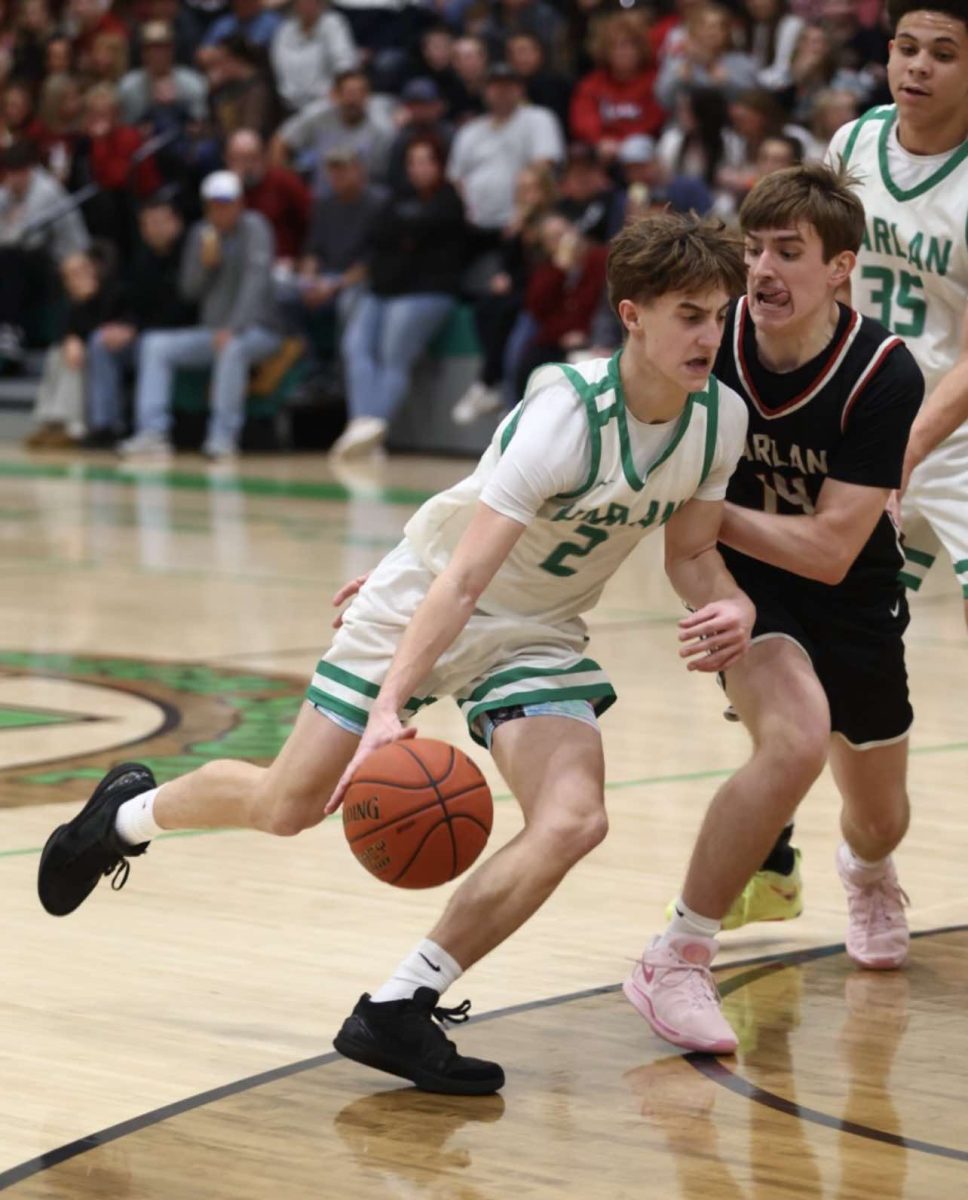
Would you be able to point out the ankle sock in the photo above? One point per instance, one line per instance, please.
(427, 965)
(135, 822)
(781, 858)
(693, 924)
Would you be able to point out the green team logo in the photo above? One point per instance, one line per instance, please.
(64, 720)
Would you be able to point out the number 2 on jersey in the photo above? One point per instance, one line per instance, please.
(555, 562)
(897, 296)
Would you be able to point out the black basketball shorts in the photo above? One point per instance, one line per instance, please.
(855, 645)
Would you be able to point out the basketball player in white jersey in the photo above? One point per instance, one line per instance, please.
(911, 159)
(482, 600)
(831, 397)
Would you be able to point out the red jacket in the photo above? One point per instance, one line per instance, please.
(563, 303)
(111, 162)
(602, 107)
(283, 199)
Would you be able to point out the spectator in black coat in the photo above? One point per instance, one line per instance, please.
(150, 298)
(414, 278)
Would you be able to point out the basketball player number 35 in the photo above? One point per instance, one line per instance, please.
(555, 562)
(896, 292)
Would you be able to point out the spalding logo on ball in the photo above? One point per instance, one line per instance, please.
(417, 813)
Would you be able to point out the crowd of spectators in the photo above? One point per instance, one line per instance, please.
(195, 182)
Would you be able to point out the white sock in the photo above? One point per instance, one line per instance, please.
(863, 864)
(685, 921)
(135, 822)
(427, 965)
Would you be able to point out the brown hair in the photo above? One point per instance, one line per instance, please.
(673, 252)
(814, 193)
(621, 26)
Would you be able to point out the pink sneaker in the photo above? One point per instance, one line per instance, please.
(673, 988)
(877, 931)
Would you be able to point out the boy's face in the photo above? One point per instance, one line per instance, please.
(681, 332)
(788, 279)
(928, 66)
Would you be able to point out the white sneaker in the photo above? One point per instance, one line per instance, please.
(220, 451)
(146, 445)
(477, 401)
(360, 436)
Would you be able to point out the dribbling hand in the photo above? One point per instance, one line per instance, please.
(382, 728)
(716, 635)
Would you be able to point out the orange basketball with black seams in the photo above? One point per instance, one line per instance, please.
(417, 813)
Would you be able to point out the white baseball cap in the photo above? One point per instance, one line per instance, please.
(222, 185)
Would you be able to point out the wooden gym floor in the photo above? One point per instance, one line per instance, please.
(173, 1040)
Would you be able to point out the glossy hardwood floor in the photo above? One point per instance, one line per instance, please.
(178, 614)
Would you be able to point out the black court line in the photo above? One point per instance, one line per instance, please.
(715, 1070)
(761, 965)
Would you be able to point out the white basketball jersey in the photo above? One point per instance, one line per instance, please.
(912, 271)
(576, 542)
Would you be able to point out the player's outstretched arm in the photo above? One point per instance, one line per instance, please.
(437, 621)
(718, 632)
(821, 545)
(942, 411)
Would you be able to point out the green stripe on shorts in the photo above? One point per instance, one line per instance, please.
(920, 557)
(911, 582)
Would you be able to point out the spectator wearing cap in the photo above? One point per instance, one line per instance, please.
(247, 19)
(432, 58)
(489, 153)
(149, 299)
(641, 178)
(420, 115)
(159, 81)
(543, 86)
(276, 192)
(414, 280)
(349, 117)
(309, 49)
(226, 269)
(39, 227)
(337, 248)
(617, 99)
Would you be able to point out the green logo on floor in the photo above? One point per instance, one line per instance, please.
(65, 719)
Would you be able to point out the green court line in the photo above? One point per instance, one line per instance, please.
(293, 489)
(617, 786)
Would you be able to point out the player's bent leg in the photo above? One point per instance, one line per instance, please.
(554, 766)
(874, 819)
(556, 769)
(782, 704)
(282, 799)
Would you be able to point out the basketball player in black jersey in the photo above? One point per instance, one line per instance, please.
(831, 398)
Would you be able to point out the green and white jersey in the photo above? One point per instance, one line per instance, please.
(912, 271)
(587, 479)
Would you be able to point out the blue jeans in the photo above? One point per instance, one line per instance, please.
(381, 345)
(519, 340)
(164, 350)
(105, 403)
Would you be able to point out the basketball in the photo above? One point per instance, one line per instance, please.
(417, 813)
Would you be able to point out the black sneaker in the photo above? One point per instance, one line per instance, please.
(79, 853)
(399, 1036)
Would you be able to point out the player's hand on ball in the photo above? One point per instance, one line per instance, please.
(347, 592)
(382, 727)
(716, 635)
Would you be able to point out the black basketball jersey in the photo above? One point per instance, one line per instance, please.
(844, 415)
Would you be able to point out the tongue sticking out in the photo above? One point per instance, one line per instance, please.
(772, 299)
